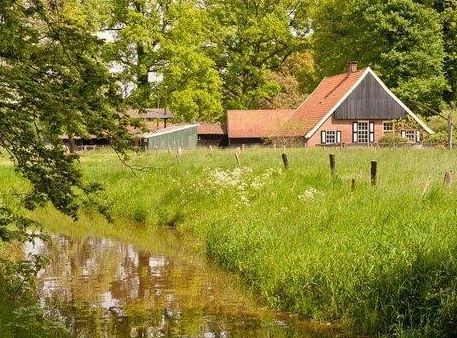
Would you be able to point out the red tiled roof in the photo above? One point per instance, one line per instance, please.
(319, 103)
(212, 129)
(256, 123)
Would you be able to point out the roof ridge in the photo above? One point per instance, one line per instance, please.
(361, 70)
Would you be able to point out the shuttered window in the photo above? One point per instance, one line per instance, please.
(363, 131)
(330, 136)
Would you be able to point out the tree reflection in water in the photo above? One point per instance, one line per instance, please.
(106, 288)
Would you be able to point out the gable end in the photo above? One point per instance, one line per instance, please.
(369, 100)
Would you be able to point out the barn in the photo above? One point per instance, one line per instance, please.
(255, 126)
(212, 134)
(174, 137)
(353, 108)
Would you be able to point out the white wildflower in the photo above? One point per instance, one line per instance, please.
(309, 194)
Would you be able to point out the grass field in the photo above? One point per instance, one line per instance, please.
(377, 260)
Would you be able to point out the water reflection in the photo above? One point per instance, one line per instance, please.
(105, 288)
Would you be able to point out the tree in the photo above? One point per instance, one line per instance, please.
(52, 81)
(400, 39)
(251, 40)
(166, 40)
(447, 11)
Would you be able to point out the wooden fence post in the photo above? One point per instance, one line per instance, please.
(450, 130)
(285, 160)
(332, 164)
(237, 157)
(374, 173)
(448, 179)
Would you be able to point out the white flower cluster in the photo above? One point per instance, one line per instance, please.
(241, 182)
(309, 194)
(228, 178)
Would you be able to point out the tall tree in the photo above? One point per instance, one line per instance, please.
(447, 10)
(251, 40)
(166, 40)
(52, 81)
(400, 39)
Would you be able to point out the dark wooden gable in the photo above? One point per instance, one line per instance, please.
(369, 101)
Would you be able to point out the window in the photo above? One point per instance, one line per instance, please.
(330, 136)
(410, 135)
(363, 132)
(388, 127)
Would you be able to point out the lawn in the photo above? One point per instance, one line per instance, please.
(377, 259)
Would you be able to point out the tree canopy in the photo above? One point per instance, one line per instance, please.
(53, 81)
(401, 39)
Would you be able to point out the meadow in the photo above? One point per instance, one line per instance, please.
(376, 260)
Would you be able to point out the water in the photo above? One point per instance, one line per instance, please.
(106, 288)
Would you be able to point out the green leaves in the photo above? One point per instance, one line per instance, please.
(52, 82)
(401, 39)
(253, 40)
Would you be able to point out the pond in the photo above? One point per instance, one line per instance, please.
(103, 287)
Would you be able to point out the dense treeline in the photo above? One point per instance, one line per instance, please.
(215, 55)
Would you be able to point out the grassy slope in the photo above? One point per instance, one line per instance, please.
(377, 259)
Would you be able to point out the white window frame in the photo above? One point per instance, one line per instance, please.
(388, 131)
(336, 135)
(410, 135)
(330, 137)
(367, 131)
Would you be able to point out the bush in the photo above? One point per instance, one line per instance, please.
(392, 140)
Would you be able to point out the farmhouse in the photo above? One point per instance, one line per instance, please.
(354, 108)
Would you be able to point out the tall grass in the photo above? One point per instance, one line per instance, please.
(378, 260)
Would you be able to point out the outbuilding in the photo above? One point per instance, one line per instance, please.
(255, 126)
(177, 136)
(212, 134)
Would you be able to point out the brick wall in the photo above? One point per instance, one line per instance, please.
(345, 126)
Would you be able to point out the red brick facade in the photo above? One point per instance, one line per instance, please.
(345, 127)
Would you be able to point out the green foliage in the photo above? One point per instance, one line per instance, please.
(53, 81)
(400, 39)
(392, 139)
(20, 315)
(439, 125)
(168, 40)
(251, 41)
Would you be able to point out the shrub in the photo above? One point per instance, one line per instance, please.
(392, 140)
